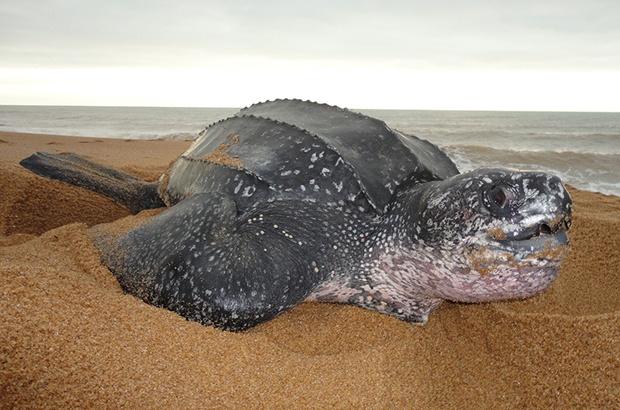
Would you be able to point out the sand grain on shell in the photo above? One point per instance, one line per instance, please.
(222, 156)
(70, 338)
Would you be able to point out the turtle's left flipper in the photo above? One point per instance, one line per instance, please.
(123, 188)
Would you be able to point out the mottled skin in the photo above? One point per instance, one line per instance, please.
(469, 243)
(337, 207)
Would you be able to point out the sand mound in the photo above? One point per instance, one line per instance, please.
(70, 338)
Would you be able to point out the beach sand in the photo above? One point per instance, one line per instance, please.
(70, 338)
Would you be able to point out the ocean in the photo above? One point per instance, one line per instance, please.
(582, 148)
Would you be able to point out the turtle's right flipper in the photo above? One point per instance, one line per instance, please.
(202, 260)
(123, 188)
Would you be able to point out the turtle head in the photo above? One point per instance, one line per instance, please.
(485, 235)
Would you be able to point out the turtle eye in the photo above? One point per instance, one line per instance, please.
(499, 199)
(497, 195)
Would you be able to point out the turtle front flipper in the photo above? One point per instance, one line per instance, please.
(125, 189)
(202, 260)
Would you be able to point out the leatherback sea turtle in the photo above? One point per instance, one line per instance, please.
(289, 201)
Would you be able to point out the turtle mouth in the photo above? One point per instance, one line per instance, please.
(537, 238)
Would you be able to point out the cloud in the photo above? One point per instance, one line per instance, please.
(352, 48)
(528, 34)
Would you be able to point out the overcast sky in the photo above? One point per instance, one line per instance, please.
(433, 54)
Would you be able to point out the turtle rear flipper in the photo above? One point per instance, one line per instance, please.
(125, 189)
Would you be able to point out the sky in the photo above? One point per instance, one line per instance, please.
(526, 55)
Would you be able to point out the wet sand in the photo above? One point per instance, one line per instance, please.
(70, 338)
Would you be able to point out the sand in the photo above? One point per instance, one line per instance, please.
(70, 338)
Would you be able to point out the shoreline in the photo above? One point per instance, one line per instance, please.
(69, 337)
(464, 161)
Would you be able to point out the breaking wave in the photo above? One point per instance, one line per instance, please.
(590, 171)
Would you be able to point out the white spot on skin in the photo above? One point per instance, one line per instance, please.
(238, 187)
(248, 191)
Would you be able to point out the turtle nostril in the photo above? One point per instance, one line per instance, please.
(545, 229)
